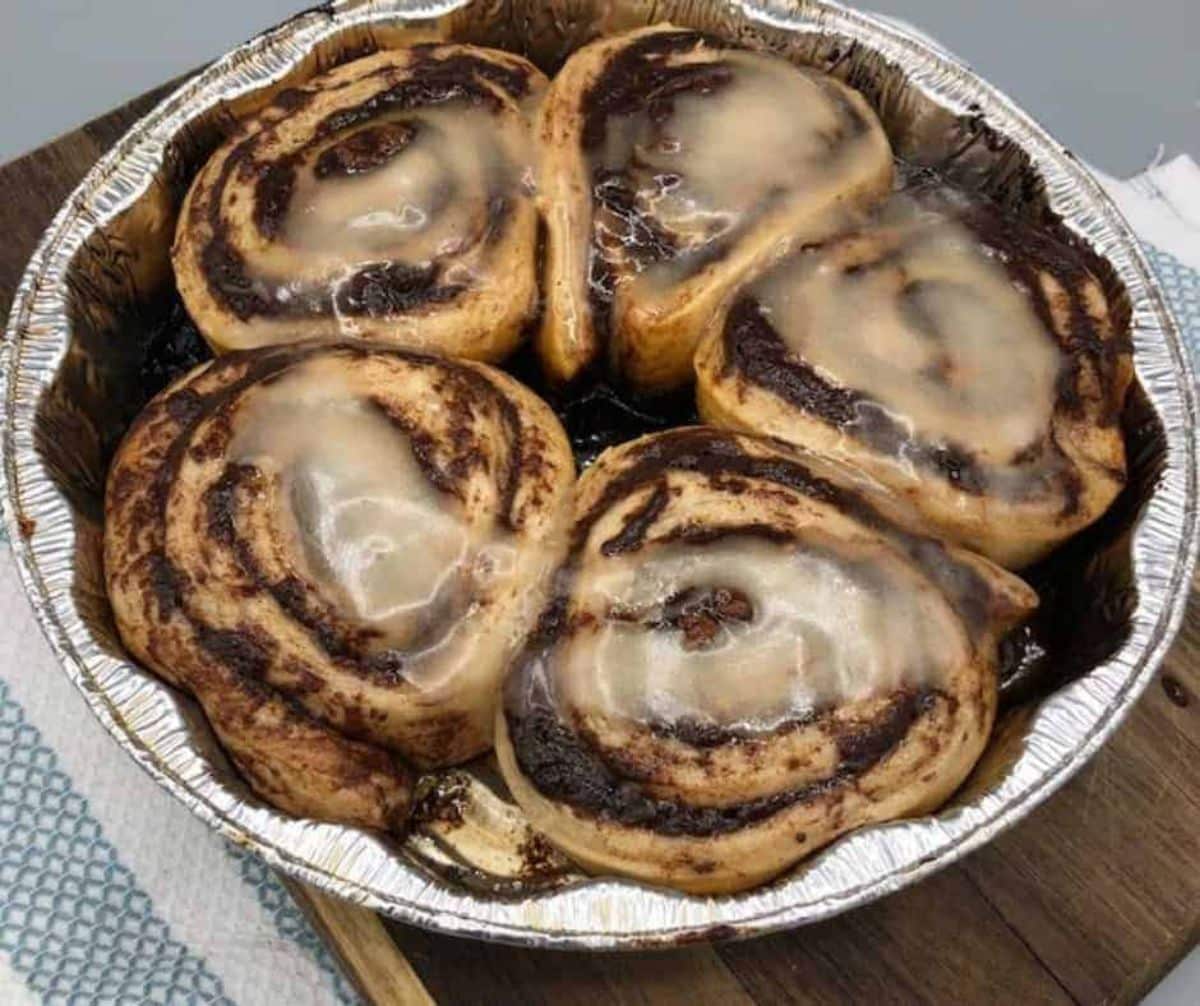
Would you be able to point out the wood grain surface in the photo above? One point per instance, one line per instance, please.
(1091, 899)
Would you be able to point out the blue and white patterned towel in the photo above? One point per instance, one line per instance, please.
(111, 892)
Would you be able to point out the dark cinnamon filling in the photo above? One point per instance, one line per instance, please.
(699, 613)
(365, 151)
(1027, 250)
(559, 762)
(554, 758)
(466, 392)
(719, 456)
(636, 79)
(379, 289)
(639, 80)
(754, 349)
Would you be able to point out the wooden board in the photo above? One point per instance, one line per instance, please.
(1091, 899)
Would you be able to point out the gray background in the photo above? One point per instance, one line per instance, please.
(1112, 79)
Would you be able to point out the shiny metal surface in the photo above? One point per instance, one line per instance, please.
(69, 373)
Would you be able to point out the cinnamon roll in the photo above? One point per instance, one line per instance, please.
(672, 166)
(969, 362)
(336, 549)
(387, 199)
(744, 658)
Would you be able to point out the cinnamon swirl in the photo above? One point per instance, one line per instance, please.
(672, 166)
(969, 362)
(387, 199)
(744, 658)
(336, 549)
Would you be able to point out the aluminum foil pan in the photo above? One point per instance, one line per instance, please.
(71, 378)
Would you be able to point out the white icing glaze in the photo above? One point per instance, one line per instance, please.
(770, 108)
(727, 153)
(424, 202)
(359, 515)
(916, 316)
(828, 627)
(428, 202)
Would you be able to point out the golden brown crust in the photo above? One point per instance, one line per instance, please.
(814, 668)
(387, 199)
(242, 528)
(629, 271)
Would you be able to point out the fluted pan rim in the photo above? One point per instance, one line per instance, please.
(150, 723)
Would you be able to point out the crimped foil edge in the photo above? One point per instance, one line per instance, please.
(145, 717)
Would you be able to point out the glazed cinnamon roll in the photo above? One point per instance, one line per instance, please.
(745, 658)
(337, 549)
(969, 362)
(387, 199)
(672, 166)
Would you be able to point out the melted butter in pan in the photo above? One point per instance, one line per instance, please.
(749, 634)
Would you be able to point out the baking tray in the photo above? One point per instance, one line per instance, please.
(73, 371)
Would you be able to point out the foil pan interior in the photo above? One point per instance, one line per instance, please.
(75, 373)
